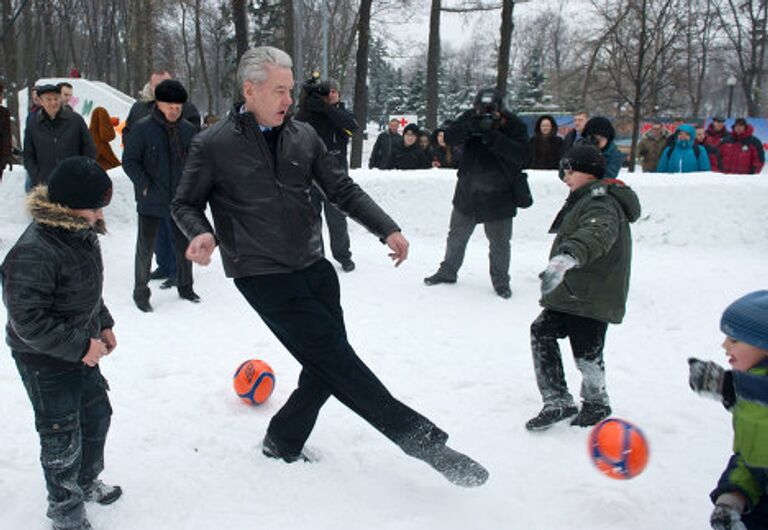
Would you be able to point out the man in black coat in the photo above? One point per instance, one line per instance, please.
(59, 330)
(322, 108)
(153, 159)
(408, 154)
(55, 133)
(496, 150)
(386, 146)
(255, 169)
(164, 245)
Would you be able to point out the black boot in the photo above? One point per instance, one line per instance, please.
(591, 414)
(143, 304)
(103, 493)
(550, 415)
(189, 294)
(504, 291)
(270, 449)
(458, 468)
(437, 278)
(347, 265)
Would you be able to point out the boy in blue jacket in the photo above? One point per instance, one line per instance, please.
(740, 496)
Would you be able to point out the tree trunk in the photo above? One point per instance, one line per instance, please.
(240, 18)
(361, 74)
(433, 64)
(185, 46)
(201, 53)
(637, 103)
(507, 27)
(11, 67)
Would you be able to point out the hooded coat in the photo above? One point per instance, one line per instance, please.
(52, 286)
(685, 156)
(650, 149)
(593, 227)
(103, 132)
(742, 154)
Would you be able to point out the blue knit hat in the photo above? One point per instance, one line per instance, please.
(746, 319)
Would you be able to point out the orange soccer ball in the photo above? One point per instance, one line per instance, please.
(618, 449)
(254, 381)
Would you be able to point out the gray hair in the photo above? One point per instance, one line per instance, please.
(254, 63)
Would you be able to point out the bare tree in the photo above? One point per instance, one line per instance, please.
(240, 18)
(361, 74)
(507, 27)
(433, 64)
(201, 56)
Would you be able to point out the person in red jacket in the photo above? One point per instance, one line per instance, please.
(741, 152)
(716, 132)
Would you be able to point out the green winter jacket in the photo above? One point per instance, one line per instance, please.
(747, 470)
(593, 227)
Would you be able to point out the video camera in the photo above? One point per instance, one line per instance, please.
(313, 85)
(488, 105)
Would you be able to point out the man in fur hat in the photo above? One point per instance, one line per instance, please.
(59, 330)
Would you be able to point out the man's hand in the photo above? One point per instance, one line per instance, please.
(109, 340)
(96, 351)
(201, 248)
(399, 245)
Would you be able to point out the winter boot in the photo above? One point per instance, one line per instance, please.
(102, 493)
(458, 468)
(189, 294)
(347, 265)
(591, 414)
(438, 277)
(504, 291)
(270, 449)
(550, 415)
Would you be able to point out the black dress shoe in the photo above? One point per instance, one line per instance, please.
(437, 278)
(190, 295)
(158, 274)
(347, 265)
(144, 305)
(168, 283)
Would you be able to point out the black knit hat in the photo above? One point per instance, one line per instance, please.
(601, 126)
(583, 157)
(170, 91)
(79, 182)
(411, 127)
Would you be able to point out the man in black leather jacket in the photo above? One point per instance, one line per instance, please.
(334, 124)
(256, 168)
(59, 330)
(495, 152)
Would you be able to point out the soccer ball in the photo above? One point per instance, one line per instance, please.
(618, 449)
(254, 381)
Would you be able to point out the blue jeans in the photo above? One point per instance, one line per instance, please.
(72, 417)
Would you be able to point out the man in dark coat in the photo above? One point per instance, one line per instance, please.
(164, 244)
(408, 154)
(59, 330)
(323, 109)
(255, 168)
(385, 148)
(6, 136)
(496, 150)
(580, 120)
(54, 134)
(154, 159)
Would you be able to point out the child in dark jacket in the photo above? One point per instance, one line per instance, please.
(740, 498)
(584, 287)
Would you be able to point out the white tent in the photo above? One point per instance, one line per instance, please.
(87, 95)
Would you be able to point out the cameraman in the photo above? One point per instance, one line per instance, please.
(321, 107)
(496, 150)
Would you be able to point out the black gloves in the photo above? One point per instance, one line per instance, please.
(711, 380)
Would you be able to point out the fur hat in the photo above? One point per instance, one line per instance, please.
(601, 126)
(746, 319)
(583, 157)
(170, 91)
(79, 182)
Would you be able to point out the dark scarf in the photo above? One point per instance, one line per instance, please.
(178, 152)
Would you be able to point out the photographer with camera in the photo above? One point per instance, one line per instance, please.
(490, 187)
(321, 107)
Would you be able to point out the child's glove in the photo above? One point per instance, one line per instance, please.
(711, 380)
(725, 517)
(555, 272)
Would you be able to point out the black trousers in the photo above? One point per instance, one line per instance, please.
(145, 244)
(337, 226)
(302, 309)
(587, 337)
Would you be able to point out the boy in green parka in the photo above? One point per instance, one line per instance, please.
(740, 497)
(583, 288)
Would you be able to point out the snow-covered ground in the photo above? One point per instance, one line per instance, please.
(187, 451)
